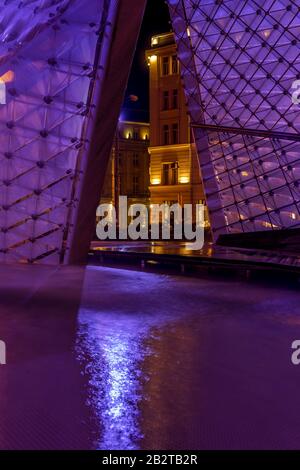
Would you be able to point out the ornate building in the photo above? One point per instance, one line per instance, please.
(128, 169)
(174, 167)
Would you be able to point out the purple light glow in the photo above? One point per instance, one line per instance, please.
(239, 62)
(50, 49)
(114, 387)
(112, 347)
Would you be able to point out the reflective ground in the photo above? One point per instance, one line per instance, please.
(121, 359)
(211, 252)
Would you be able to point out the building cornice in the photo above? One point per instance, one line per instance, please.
(169, 148)
(135, 123)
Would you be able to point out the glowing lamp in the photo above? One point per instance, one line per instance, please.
(184, 179)
(152, 59)
(8, 77)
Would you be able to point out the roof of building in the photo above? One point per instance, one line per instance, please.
(135, 115)
(164, 39)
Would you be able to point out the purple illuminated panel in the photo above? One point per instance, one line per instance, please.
(48, 52)
(240, 61)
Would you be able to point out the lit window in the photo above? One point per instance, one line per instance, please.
(175, 136)
(135, 185)
(166, 135)
(165, 100)
(165, 65)
(135, 160)
(175, 99)
(174, 65)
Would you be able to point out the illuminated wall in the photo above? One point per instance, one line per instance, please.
(53, 60)
(128, 170)
(240, 61)
(168, 109)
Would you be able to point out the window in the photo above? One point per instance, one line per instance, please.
(166, 135)
(165, 100)
(175, 99)
(135, 185)
(136, 135)
(170, 173)
(135, 160)
(174, 65)
(165, 65)
(175, 136)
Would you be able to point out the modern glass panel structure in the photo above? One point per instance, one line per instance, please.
(240, 65)
(56, 58)
(63, 71)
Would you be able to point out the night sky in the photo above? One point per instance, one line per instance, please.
(156, 21)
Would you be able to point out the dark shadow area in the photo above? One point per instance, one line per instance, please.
(123, 359)
(42, 402)
(156, 21)
(284, 240)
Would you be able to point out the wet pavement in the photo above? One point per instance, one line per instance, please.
(103, 358)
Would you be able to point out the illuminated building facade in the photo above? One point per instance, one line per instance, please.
(240, 64)
(128, 169)
(174, 167)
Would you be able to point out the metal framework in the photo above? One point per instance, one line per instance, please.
(63, 71)
(240, 64)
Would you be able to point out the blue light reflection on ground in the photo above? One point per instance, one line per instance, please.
(175, 362)
(111, 346)
(115, 350)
